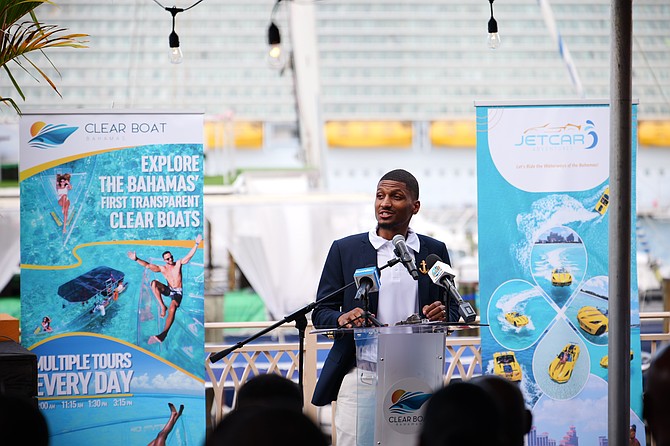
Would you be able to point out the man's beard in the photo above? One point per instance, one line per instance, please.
(387, 226)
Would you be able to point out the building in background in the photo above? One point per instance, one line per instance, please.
(373, 85)
(397, 80)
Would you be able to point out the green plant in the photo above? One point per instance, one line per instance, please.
(19, 39)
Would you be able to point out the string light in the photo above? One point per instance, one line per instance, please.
(493, 39)
(276, 56)
(176, 55)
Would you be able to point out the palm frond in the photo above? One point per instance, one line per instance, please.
(11, 11)
(18, 40)
(16, 85)
(12, 103)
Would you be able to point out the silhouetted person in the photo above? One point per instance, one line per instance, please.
(656, 397)
(517, 419)
(269, 390)
(461, 414)
(262, 426)
(21, 422)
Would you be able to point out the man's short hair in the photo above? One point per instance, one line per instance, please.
(270, 389)
(405, 177)
(166, 252)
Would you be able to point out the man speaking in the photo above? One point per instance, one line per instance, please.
(402, 291)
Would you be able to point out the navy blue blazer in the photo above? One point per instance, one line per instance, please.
(345, 256)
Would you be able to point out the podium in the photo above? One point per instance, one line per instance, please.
(398, 369)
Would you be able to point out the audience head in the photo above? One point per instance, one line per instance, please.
(260, 426)
(270, 390)
(456, 414)
(516, 419)
(656, 396)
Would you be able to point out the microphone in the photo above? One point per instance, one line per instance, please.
(367, 281)
(443, 275)
(405, 257)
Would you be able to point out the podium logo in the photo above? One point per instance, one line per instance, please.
(403, 405)
(47, 136)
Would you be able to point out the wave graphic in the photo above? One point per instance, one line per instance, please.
(51, 135)
(546, 213)
(592, 133)
(516, 301)
(409, 402)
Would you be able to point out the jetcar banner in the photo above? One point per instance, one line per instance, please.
(543, 198)
(112, 274)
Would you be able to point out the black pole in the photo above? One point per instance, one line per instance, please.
(620, 222)
(301, 325)
(293, 317)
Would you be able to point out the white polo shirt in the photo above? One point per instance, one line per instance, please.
(398, 293)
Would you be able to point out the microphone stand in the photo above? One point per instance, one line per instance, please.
(370, 320)
(447, 303)
(300, 319)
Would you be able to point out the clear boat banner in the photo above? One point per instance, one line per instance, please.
(112, 276)
(543, 199)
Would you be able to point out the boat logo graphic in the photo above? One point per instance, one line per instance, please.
(47, 136)
(404, 404)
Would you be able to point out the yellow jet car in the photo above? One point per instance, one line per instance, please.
(561, 277)
(604, 362)
(505, 365)
(592, 320)
(560, 369)
(603, 202)
(517, 319)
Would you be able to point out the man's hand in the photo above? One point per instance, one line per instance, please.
(435, 311)
(132, 256)
(353, 318)
(198, 239)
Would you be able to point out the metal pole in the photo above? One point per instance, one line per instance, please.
(307, 87)
(620, 222)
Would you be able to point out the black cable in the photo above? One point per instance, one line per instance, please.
(179, 9)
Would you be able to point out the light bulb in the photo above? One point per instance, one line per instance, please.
(275, 51)
(275, 57)
(493, 41)
(176, 55)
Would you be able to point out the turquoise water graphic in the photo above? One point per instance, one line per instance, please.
(526, 299)
(52, 258)
(183, 345)
(45, 244)
(138, 423)
(524, 284)
(547, 258)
